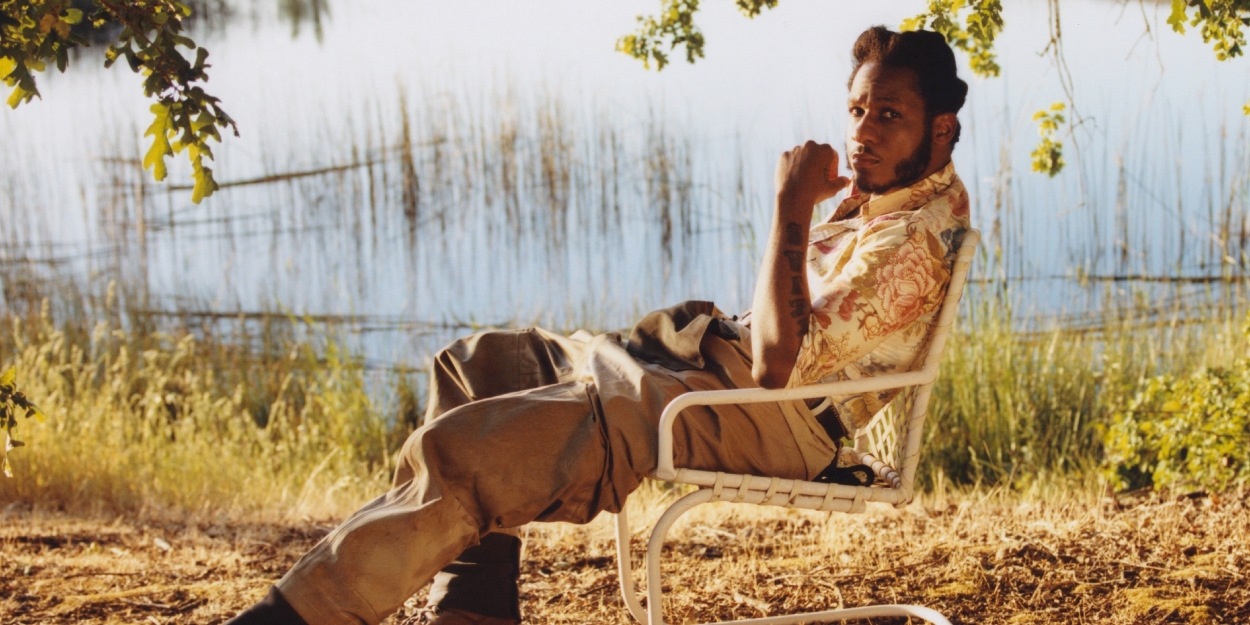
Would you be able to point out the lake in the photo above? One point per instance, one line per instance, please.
(408, 170)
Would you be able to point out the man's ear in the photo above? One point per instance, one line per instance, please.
(945, 125)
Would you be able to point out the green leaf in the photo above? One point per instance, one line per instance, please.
(913, 23)
(17, 97)
(204, 119)
(159, 131)
(204, 185)
(1048, 156)
(8, 379)
(73, 16)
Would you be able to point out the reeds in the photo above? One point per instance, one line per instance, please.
(199, 424)
(503, 209)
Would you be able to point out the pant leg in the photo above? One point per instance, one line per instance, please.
(498, 362)
(493, 463)
(483, 579)
(561, 452)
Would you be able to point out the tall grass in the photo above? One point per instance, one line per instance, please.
(1020, 402)
(273, 423)
(164, 398)
(194, 423)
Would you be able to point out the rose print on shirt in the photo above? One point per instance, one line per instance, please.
(911, 283)
(881, 277)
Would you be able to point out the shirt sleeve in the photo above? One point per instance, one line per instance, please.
(896, 274)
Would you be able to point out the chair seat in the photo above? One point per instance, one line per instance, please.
(790, 493)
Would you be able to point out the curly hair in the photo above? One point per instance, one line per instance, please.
(922, 51)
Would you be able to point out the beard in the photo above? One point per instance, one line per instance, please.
(907, 172)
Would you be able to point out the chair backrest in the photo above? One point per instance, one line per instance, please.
(892, 434)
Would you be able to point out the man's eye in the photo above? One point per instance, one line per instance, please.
(891, 115)
(857, 111)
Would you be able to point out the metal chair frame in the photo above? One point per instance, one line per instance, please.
(878, 445)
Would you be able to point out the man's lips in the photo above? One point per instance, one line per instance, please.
(863, 159)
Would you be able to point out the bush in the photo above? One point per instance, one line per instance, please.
(1184, 431)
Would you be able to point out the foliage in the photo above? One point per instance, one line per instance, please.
(1048, 156)
(35, 32)
(983, 23)
(1184, 431)
(1221, 22)
(675, 26)
(1018, 402)
(11, 402)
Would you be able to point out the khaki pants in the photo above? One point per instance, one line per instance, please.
(531, 426)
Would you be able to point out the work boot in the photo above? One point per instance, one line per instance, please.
(480, 584)
(452, 616)
(272, 610)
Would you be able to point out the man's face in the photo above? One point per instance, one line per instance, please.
(888, 136)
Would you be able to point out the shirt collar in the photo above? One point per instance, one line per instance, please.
(914, 196)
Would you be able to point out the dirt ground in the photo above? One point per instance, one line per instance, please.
(1175, 560)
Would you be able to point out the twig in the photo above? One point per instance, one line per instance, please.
(881, 571)
(71, 575)
(1141, 566)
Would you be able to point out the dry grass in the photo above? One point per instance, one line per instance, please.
(1042, 558)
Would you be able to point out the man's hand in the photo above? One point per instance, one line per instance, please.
(806, 176)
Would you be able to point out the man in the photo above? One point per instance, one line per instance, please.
(528, 425)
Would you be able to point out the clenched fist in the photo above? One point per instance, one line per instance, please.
(808, 174)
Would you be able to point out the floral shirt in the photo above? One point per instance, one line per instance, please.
(877, 281)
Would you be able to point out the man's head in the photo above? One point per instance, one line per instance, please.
(904, 94)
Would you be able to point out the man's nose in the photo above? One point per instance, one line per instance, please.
(862, 131)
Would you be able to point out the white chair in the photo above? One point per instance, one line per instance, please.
(888, 438)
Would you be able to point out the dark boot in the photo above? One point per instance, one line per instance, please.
(452, 616)
(272, 610)
(481, 582)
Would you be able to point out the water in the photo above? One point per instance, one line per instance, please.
(547, 179)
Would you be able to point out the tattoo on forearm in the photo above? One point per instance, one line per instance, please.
(799, 314)
(795, 259)
(798, 308)
(794, 234)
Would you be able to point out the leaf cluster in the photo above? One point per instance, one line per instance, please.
(35, 32)
(674, 25)
(1048, 156)
(658, 35)
(1221, 22)
(981, 24)
(13, 402)
(31, 35)
(1184, 431)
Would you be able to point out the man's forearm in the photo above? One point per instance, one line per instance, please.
(806, 176)
(782, 304)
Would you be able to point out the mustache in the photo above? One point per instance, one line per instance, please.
(863, 151)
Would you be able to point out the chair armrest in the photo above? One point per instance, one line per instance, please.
(664, 468)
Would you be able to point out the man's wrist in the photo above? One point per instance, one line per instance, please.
(795, 204)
